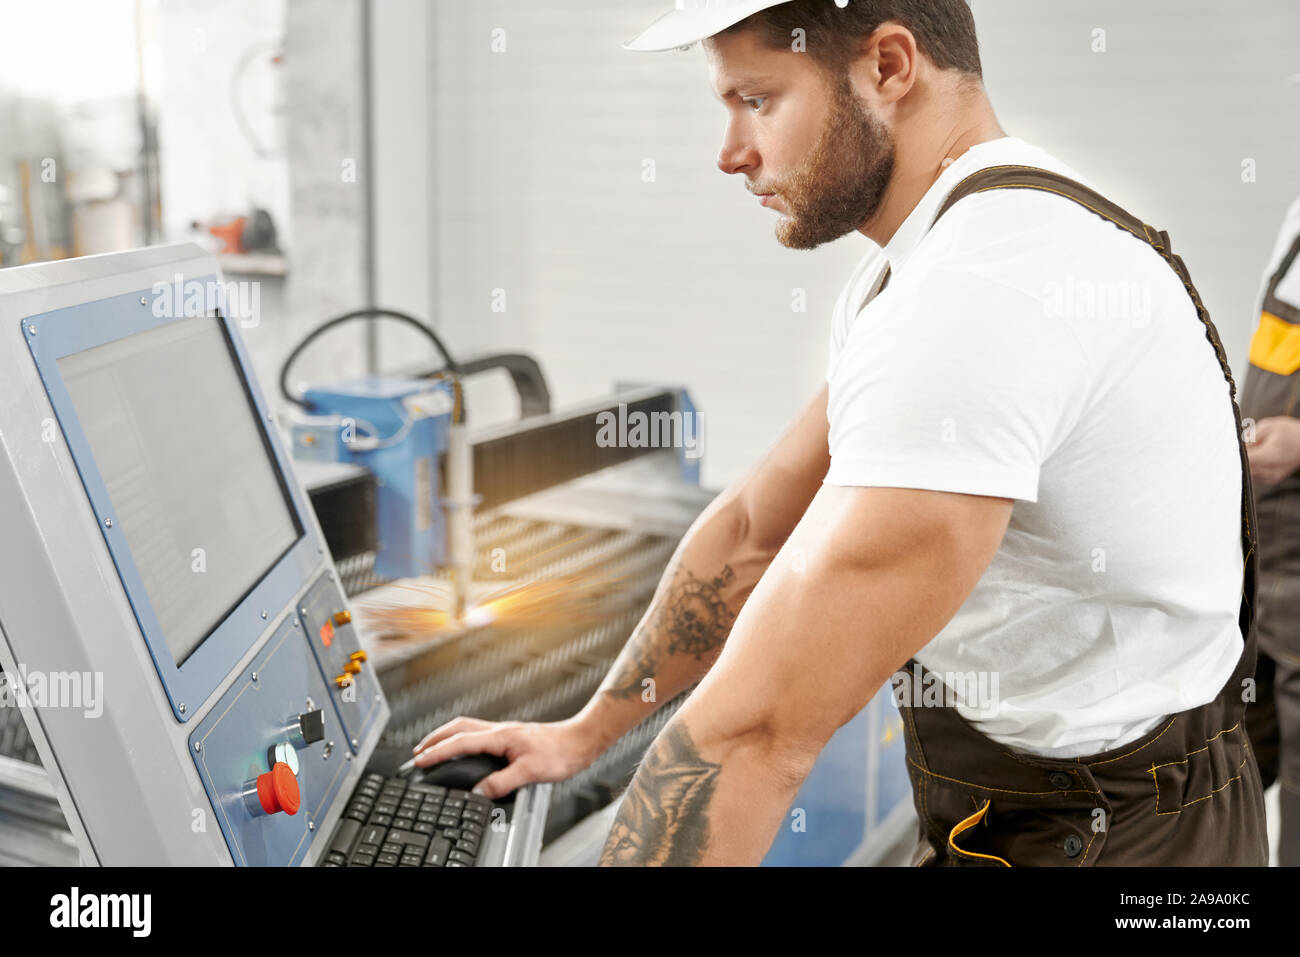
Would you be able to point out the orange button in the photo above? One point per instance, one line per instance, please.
(343, 617)
(277, 790)
(326, 634)
(357, 656)
(353, 667)
(343, 680)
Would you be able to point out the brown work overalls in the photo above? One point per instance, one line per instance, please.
(1186, 793)
(1273, 389)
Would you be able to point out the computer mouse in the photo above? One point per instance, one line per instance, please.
(463, 772)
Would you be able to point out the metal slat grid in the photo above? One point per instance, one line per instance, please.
(15, 742)
(512, 673)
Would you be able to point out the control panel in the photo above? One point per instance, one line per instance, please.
(275, 748)
(352, 684)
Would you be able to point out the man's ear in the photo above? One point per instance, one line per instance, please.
(887, 67)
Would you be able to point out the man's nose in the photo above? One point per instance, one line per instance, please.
(735, 156)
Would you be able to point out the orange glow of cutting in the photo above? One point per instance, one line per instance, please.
(565, 601)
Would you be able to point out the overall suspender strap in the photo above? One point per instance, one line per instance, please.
(1027, 177)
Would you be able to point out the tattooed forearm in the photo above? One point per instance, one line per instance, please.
(690, 617)
(664, 818)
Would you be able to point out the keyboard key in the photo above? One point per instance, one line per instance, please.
(383, 807)
(432, 789)
(436, 856)
(455, 855)
(469, 847)
(408, 837)
(452, 834)
(471, 827)
(364, 858)
(372, 835)
(426, 817)
(355, 815)
(382, 820)
(344, 836)
(334, 857)
(423, 827)
(453, 802)
(447, 822)
(390, 847)
(457, 864)
(388, 860)
(457, 793)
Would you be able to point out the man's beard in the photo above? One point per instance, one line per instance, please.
(843, 183)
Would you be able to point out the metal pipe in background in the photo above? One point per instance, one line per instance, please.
(460, 514)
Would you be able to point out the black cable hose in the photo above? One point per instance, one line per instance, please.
(315, 334)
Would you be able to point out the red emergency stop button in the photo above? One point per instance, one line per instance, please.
(277, 790)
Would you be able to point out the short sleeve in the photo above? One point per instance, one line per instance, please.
(954, 383)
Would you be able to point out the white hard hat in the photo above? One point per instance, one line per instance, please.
(693, 21)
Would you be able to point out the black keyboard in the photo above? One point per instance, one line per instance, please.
(392, 823)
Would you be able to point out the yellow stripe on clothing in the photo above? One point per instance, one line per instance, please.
(1276, 345)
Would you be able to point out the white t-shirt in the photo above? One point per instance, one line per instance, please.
(1028, 349)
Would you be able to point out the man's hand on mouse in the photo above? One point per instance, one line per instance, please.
(537, 752)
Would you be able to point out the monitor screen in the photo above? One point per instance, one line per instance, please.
(194, 485)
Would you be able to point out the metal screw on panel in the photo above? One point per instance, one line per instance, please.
(144, 301)
(31, 330)
(181, 708)
(198, 745)
(263, 614)
(311, 825)
(303, 611)
(295, 623)
(108, 523)
(354, 742)
(254, 677)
